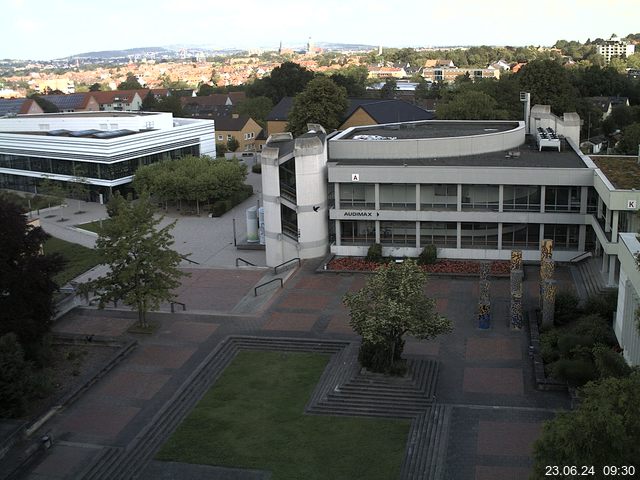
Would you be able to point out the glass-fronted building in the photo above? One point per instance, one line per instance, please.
(102, 148)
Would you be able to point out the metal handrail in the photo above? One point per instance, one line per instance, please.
(275, 269)
(245, 261)
(580, 257)
(184, 257)
(173, 303)
(255, 290)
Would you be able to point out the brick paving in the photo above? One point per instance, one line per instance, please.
(486, 376)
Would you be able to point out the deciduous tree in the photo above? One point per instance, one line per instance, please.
(602, 431)
(391, 305)
(143, 268)
(322, 101)
(26, 278)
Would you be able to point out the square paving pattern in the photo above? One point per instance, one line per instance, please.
(133, 384)
(189, 331)
(298, 322)
(507, 381)
(99, 419)
(216, 289)
(161, 356)
(494, 348)
(507, 438)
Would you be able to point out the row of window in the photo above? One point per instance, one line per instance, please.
(247, 136)
(473, 197)
(103, 171)
(445, 234)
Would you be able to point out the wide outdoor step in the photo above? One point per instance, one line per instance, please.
(425, 455)
(358, 390)
(392, 402)
(357, 411)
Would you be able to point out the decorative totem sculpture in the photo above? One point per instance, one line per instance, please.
(517, 276)
(484, 301)
(547, 284)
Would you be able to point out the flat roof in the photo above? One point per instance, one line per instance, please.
(622, 172)
(429, 129)
(529, 156)
(104, 114)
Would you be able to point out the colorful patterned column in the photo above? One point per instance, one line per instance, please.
(484, 301)
(548, 302)
(516, 299)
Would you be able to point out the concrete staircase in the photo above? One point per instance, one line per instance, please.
(127, 463)
(376, 395)
(588, 274)
(425, 456)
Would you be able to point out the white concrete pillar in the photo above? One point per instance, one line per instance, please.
(459, 207)
(541, 238)
(336, 195)
(584, 193)
(607, 221)
(600, 204)
(582, 237)
(543, 199)
(614, 226)
(605, 258)
(500, 204)
(612, 270)
(500, 229)
(417, 234)
(376, 190)
(377, 230)
(459, 231)
(417, 196)
(338, 233)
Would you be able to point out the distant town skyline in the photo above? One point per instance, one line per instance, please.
(40, 30)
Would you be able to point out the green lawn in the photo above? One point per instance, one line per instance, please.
(93, 226)
(79, 258)
(253, 418)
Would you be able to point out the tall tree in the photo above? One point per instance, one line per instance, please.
(131, 83)
(286, 80)
(389, 88)
(26, 278)
(548, 82)
(143, 269)
(391, 305)
(603, 431)
(170, 103)
(257, 108)
(322, 101)
(149, 102)
(629, 144)
(470, 105)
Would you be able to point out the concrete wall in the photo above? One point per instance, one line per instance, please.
(85, 121)
(624, 324)
(429, 147)
(568, 125)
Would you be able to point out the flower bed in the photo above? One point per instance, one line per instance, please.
(451, 267)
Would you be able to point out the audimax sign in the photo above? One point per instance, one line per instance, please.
(360, 214)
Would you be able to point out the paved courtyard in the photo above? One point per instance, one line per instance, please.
(485, 375)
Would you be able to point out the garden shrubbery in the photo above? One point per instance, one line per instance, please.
(582, 345)
(374, 254)
(428, 256)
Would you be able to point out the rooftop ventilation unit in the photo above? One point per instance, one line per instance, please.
(547, 138)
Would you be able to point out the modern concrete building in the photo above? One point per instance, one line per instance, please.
(625, 324)
(475, 189)
(614, 47)
(105, 148)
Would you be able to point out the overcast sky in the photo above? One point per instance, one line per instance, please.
(38, 29)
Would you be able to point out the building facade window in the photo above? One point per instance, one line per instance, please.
(289, 220)
(220, 137)
(440, 234)
(480, 197)
(521, 198)
(439, 197)
(357, 195)
(525, 236)
(398, 196)
(562, 199)
(354, 232)
(565, 237)
(398, 234)
(479, 235)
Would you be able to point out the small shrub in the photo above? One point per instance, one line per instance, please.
(428, 256)
(256, 168)
(220, 207)
(576, 372)
(569, 343)
(610, 363)
(604, 305)
(596, 327)
(566, 307)
(374, 254)
(549, 346)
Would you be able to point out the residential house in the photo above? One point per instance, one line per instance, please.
(241, 127)
(18, 106)
(218, 104)
(607, 104)
(387, 72)
(614, 47)
(64, 85)
(449, 74)
(74, 102)
(119, 100)
(439, 63)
